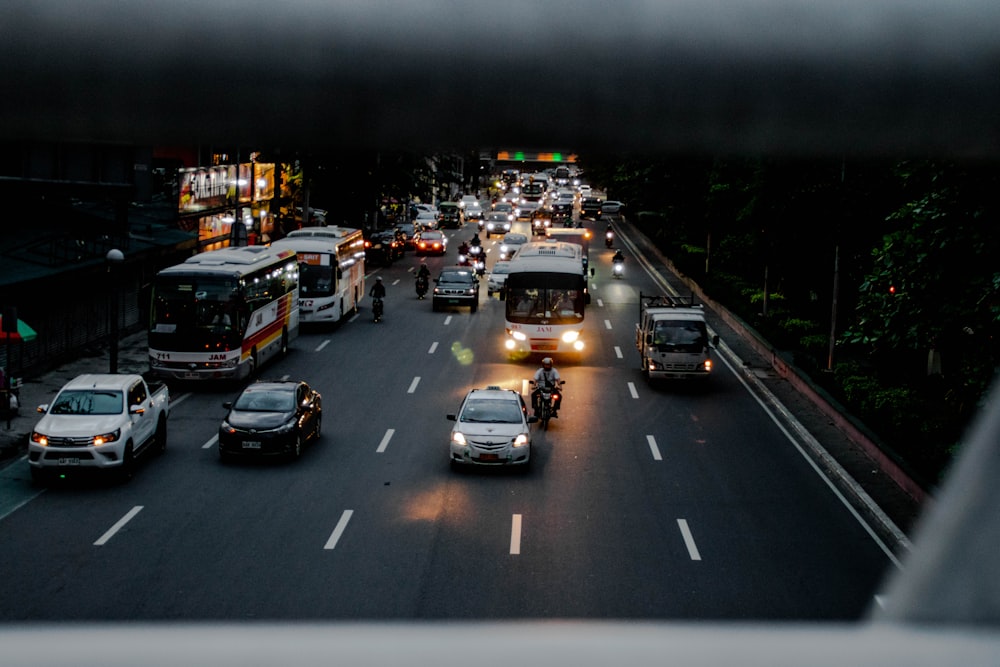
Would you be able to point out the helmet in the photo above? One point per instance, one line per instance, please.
(547, 362)
(378, 279)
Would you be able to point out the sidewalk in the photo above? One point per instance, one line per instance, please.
(132, 358)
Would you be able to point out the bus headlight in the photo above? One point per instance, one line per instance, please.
(519, 335)
(570, 336)
(510, 344)
(578, 345)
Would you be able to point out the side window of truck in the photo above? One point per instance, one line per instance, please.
(137, 394)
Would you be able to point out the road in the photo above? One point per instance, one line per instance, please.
(641, 503)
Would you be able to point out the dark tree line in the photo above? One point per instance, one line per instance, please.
(910, 249)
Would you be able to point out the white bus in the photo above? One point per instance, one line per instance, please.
(331, 272)
(546, 296)
(222, 314)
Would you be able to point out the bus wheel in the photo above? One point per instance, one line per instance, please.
(252, 373)
(284, 342)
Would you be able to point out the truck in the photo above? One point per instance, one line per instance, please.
(99, 422)
(672, 338)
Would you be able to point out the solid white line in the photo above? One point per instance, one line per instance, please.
(653, 448)
(339, 530)
(688, 539)
(395, 282)
(356, 316)
(118, 526)
(600, 303)
(447, 320)
(631, 390)
(515, 535)
(618, 352)
(211, 441)
(413, 385)
(385, 440)
(323, 344)
(607, 324)
(434, 346)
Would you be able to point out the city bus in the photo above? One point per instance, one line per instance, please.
(545, 298)
(222, 314)
(331, 272)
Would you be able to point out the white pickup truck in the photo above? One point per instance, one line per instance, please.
(99, 422)
(672, 338)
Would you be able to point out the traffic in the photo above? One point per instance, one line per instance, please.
(389, 494)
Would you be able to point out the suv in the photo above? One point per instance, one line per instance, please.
(450, 215)
(590, 208)
(493, 428)
(456, 286)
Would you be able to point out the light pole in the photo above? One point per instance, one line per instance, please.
(114, 258)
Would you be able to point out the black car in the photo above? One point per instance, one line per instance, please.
(382, 248)
(456, 286)
(271, 419)
(590, 208)
(450, 215)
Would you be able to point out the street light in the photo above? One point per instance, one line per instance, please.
(114, 258)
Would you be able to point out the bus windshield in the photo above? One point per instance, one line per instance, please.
(317, 279)
(545, 298)
(195, 312)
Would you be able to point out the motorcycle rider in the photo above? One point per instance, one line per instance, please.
(609, 236)
(423, 271)
(547, 376)
(619, 258)
(423, 276)
(378, 289)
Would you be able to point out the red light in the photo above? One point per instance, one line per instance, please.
(892, 289)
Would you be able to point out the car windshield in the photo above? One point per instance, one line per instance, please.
(491, 411)
(456, 277)
(266, 400)
(87, 402)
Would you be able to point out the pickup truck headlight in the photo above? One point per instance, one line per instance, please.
(105, 438)
(39, 438)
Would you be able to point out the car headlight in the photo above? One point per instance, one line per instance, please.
(226, 427)
(521, 440)
(105, 438)
(458, 438)
(39, 439)
(288, 426)
(570, 336)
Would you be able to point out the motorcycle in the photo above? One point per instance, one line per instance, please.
(609, 239)
(377, 309)
(421, 286)
(619, 270)
(477, 261)
(547, 398)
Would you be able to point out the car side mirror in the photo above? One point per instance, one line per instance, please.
(451, 417)
(715, 340)
(649, 339)
(228, 405)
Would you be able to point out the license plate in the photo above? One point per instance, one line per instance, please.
(191, 376)
(251, 444)
(489, 457)
(69, 461)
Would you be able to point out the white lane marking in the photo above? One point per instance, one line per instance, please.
(320, 347)
(653, 448)
(395, 282)
(607, 324)
(118, 526)
(413, 385)
(688, 539)
(515, 535)
(880, 601)
(385, 440)
(339, 530)
(356, 316)
(409, 270)
(600, 303)
(618, 352)
(434, 346)
(285, 377)
(631, 390)
(447, 320)
(182, 397)
(211, 441)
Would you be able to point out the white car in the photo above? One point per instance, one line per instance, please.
(471, 207)
(498, 223)
(497, 279)
(584, 190)
(511, 242)
(492, 428)
(426, 219)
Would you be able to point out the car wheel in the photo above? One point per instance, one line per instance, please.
(434, 306)
(161, 435)
(127, 469)
(39, 476)
(474, 307)
(297, 447)
(318, 429)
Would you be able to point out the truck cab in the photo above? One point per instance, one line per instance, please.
(672, 338)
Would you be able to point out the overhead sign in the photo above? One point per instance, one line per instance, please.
(523, 156)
